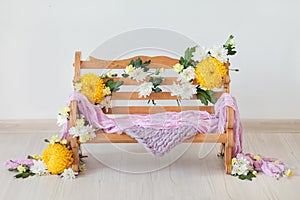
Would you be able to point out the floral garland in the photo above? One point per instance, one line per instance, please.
(199, 76)
(139, 71)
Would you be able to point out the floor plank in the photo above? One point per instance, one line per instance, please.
(126, 171)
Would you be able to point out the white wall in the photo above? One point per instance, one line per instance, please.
(38, 40)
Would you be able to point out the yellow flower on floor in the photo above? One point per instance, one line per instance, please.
(22, 168)
(36, 157)
(277, 162)
(57, 158)
(288, 172)
(258, 158)
(89, 83)
(210, 73)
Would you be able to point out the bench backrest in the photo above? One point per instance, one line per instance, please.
(131, 97)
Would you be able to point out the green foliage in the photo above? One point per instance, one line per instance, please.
(113, 85)
(24, 174)
(138, 63)
(187, 60)
(230, 46)
(206, 96)
(249, 176)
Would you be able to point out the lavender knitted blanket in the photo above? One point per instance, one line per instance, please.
(160, 141)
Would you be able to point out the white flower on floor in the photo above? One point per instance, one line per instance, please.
(219, 53)
(138, 74)
(39, 168)
(176, 90)
(187, 75)
(240, 166)
(68, 174)
(106, 103)
(145, 89)
(188, 90)
(201, 54)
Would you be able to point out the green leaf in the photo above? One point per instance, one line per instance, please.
(156, 81)
(19, 175)
(153, 102)
(178, 102)
(181, 61)
(132, 63)
(157, 89)
(109, 82)
(46, 140)
(138, 62)
(188, 54)
(125, 75)
(203, 99)
(249, 176)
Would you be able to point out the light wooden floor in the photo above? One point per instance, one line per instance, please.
(125, 171)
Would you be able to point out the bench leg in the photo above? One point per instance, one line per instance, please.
(227, 158)
(75, 150)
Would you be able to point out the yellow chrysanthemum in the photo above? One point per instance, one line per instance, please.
(57, 158)
(89, 83)
(210, 72)
(98, 96)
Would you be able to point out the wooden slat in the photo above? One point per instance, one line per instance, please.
(123, 138)
(154, 96)
(156, 109)
(135, 96)
(156, 62)
(129, 81)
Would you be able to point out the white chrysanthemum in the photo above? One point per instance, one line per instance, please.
(187, 75)
(176, 90)
(62, 119)
(188, 90)
(68, 174)
(201, 53)
(138, 74)
(240, 167)
(219, 53)
(145, 89)
(39, 168)
(106, 103)
(84, 133)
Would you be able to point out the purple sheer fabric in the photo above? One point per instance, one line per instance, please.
(160, 132)
(201, 121)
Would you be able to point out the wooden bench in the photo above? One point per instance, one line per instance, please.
(226, 138)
